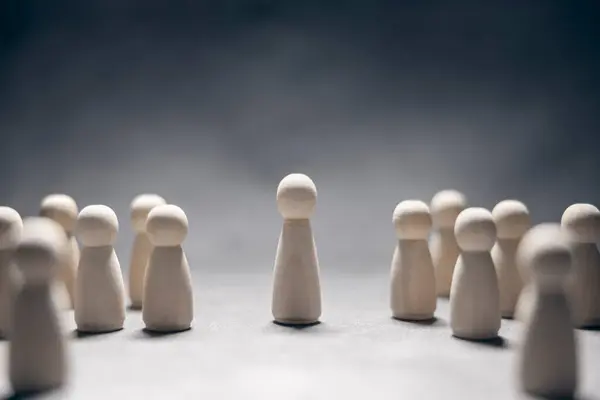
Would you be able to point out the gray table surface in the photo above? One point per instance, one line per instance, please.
(234, 351)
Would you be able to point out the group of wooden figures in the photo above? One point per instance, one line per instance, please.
(64, 259)
(492, 265)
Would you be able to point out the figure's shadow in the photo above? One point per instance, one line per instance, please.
(592, 328)
(77, 334)
(435, 321)
(152, 334)
(497, 342)
(24, 395)
(34, 394)
(312, 328)
(297, 326)
(576, 397)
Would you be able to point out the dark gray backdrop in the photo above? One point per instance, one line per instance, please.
(211, 103)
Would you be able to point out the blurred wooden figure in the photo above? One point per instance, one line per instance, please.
(512, 222)
(37, 358)
(547, 362)
(63, 210)
(142, 248)
(445, 207)
(11, 227)
(581, 223)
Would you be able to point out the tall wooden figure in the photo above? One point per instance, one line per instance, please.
(296, 282)
(475, 296)
(413, 295)
(99, 289)
(168, 295)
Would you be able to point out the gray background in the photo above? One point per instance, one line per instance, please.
(211, 103)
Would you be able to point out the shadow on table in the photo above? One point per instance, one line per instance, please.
(594, 328)
(145, 333)
(435, 321)
(77, 334)
(315, 328)
(39, 395)
(559, 398)
(297, 326)
(497, 342)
